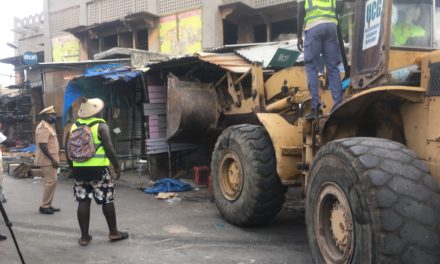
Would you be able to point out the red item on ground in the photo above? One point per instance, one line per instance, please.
(201, 175)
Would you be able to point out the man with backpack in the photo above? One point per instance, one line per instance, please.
(47, 157)
(89, 154)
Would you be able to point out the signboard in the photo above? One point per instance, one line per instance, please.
(181, 33)
(30, 58)
(372, 27)
(65, 49)
(284, 58)
(168, 35)
(190, 31)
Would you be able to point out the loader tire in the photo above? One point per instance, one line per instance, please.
(247, 189)
(372, 200)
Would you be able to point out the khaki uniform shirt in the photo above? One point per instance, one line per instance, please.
(45, 133)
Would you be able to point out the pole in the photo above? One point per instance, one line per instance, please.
(9, 225)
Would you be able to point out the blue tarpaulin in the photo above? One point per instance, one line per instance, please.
(168, 185)
(107, 71)
(30, 148)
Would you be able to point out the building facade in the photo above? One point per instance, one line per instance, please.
(77, 30)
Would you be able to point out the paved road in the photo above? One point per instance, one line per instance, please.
(189, 231)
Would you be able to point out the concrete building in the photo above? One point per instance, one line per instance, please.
(72, 35)
(24, 97)
(77, 30)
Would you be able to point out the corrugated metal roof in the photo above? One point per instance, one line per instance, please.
(265, 53)
(83, 63)
(232, 47)
(228, 61)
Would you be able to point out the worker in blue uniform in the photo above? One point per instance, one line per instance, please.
(319, 20)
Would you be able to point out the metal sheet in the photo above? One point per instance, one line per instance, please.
(228, 61)
(265, 53)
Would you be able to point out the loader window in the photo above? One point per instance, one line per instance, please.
(412, 23)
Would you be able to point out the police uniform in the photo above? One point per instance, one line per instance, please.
(321, 38)
(46, 133)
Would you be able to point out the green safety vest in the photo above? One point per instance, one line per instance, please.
(403, 32)
(100, 159)
(319, 9)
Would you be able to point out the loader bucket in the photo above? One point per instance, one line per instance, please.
(192, 109)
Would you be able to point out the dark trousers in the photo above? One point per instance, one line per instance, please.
(323, 39)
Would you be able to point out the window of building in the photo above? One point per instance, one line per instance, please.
(283, 30)
(93, 47)
(109, 42)
(142, 39)
(125, 40)
(230, 33)
(260, 33)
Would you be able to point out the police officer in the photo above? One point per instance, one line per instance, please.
(47, 157)
(320, 18)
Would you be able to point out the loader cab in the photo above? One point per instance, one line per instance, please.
(415, 23)
(402, 28)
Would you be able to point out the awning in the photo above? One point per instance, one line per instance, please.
(77, 87)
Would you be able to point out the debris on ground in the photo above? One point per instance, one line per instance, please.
(165, 195)
(22, 171)
(168, 185)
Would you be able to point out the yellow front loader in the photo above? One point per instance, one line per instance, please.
(369, 169)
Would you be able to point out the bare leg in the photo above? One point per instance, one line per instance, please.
(83, 214)
(109, 212)
(110, 215)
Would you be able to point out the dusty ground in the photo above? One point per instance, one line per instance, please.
(186, 231)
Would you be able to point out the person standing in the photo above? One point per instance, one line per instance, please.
(47, 157)
(2, 195)
(321, 37)
(92, 178)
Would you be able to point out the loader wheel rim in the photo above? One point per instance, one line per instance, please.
(334, 224)
(231, 176)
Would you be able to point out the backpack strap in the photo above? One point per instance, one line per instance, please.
(78, 124)
(96, 122)
(93, 124)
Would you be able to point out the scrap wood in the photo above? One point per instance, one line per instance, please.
(22, 171)
(166, 195)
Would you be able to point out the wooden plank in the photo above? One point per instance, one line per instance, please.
(155, 140)
(154, 106)
(158, 101)
(153, 122)
(155, 89)
(154, 129)
(155, 112)
(156, 95)
(155, 135)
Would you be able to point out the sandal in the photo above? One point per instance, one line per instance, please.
(122, 236)
(85, 243)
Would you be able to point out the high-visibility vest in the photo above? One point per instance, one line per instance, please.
(99, 159)
(319, 9)
(403, 32)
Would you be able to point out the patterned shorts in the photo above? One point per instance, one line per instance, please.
(102, 191)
